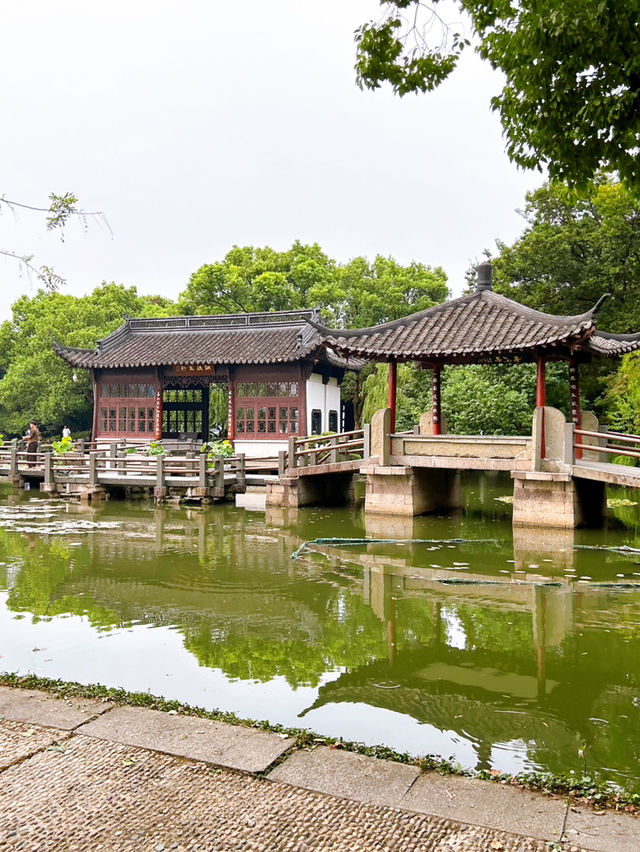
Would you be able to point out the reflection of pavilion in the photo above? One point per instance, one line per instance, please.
(472, 694)
(495, 697)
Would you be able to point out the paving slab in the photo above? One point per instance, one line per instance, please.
(100, 796)
(602, 831)
(232, 746)
(484, 803)
(19, 740)
(40, 708)
(343, 773)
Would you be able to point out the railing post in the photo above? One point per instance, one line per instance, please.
(202, 470)
(219, 472)
(13, 465)
(160, 471)
(241, 471)
(333, 453)
(48, 469)
(80, 445)
(282, 462)
(569, 443)
(93, 468)
(366, 441)
(292, 460)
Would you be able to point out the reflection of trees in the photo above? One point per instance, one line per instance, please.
(552, 677)
(491, 663)
(226, 588)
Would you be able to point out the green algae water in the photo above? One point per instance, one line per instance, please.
(502, 651)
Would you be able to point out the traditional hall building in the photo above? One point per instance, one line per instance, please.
(152, 378)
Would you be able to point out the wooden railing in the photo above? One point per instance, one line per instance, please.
(316, 450)
(116, 464)
(628, 446)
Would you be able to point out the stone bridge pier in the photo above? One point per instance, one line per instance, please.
(411, 490)
(551, 495)
(330, 489)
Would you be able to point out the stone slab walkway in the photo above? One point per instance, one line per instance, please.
(78, 775)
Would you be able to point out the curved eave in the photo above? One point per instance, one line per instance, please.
(588, 317)
(74, 356)
(525, 350)
(608, 345)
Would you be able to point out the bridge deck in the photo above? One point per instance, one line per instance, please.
(612, 474)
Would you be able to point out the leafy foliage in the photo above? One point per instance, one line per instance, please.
(572, 74)
(412, 401)
(217, 449)
(357, 294)
(575, 247)
(61, 209)
(476, 399)
(64, 445)
(154, 448)
(35, 383)
(498, 400)
(623, 398)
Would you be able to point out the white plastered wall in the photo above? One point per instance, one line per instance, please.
(324, 398)
(258, 448)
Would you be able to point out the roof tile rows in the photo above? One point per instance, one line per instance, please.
(481, 325)
(241, 346)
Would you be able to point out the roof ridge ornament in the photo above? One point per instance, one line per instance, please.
(595, 310)
(485, 272)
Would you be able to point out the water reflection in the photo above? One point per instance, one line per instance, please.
(503, 652)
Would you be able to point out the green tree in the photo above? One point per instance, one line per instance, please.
(413, 399)
(498, 399)
(575, 247)
(356, 294)
(571, 92)
(35, 382)
(492, 400)
(622, 400)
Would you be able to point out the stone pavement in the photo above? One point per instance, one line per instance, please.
(80, 774)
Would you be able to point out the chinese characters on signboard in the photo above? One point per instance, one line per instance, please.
(195, 369)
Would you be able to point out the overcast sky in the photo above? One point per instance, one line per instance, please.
(197, 125)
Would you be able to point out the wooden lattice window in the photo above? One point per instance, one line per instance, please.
(126, 409)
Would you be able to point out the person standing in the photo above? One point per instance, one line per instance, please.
(33, 438)
(66, 432)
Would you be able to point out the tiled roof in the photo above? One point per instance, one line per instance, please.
(268, 338)
(613, 345)
(481, 325)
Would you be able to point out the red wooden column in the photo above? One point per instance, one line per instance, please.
(541, 398)
(393, 382)
(436, 414)
(574, 392)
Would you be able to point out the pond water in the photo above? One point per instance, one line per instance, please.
(499, 651)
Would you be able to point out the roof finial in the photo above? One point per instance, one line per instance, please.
(484, 277)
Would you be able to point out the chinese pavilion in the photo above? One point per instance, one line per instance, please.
(152, 378)
(483, 327)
